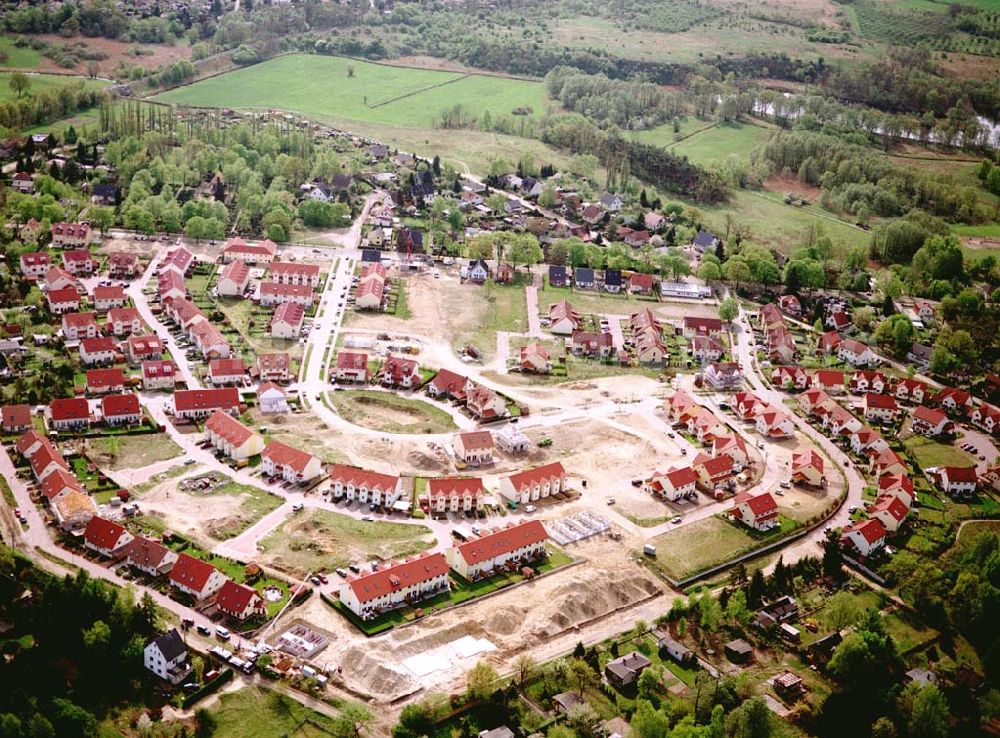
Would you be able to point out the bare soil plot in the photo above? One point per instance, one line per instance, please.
(319, 540)
(384, 411)
(131, 451)
(210, 516)
(150, 56)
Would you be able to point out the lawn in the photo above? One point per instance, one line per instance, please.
(927, 453)
(700, 545)
(251, 322)
(376, 93)
(707, 143)
(390, 413)
(907, 630)
(19, 58)
(591, 301)
(253, 712)
(500, 307)
(130, 452)
(44, 82)
(320, 540)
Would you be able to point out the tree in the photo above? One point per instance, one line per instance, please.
(19, 83)
(709, 271)
(558, 252)
(929, 712)
(548, 197)
(560, 731)
(205, 723)
(729, 309)
(584, 720)
(353, 719)
(841, 611)
(833, 560)
(752, 719)
(481, 682)
(737, 271)
(883, 728)
(648, 685)
(198, 666)
(647, 721)
(581, 676)
(524, 669)
(101, 217)
(737, 611)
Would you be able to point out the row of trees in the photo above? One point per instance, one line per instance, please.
(629, 105)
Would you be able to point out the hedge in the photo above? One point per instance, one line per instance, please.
(208, 688)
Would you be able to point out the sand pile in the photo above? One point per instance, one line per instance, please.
(505, 620)
(372, 672)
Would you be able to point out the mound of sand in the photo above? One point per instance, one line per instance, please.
(505, 620)
(371, 672)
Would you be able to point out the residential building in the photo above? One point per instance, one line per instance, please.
(509, 547)
(695, 326)
(122, 409)
(563, 319)
(58, 484)
(106, 537)
(352, 366)
(196, 404)
(930, 422)
(240, 602)
(790, 305)
(790, 377)
(511, 440)
(954, 401)
(97, 351)
(178, 260)
(159, 375)
(125, 320)
(829, 343)
(69, 413)
(149, 557)
(258, 253)
(706, 348)
(289, 463)
(828, 380)
(911, 390)
(891, 511)
(400, 372)
(195, 577)
(474, 447)
(57, 278)
(234, 279)
(864, 537)
(167, 657)
(15, 418)
(880, 408)
(733, 446)
(957, 481)
(79, 263)
(35, 264)
(592, 343)
(367, 487)
(74, 511)
(77, 326)
(774, 423)
(448, 385)
(63, 300)
(725, 375)
(106, 298)
(625, 670)
(986, 417)
(807, 468)
(868, 441)
(534, 359)
(274, 367)
(123, 265)
(143, 348)
(231, 438)
(455, 494)
(811, 399)
(407, 582)
(276, 293)
(222, 372)
(868, 381)
(293, 273)
(484, 404)
(70, 235)
(855, 353)
(759, 511)
(674, 484)
(287, 321)
(535, 484)
(713, 471)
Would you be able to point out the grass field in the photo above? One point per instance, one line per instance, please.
(43, 82)
(927, 452)
(374, 94)
(697, 546)
(130, 452)
(253, 712)
(974, 527)
(26, 58)
(319, 540)
(384, 411)
(707, 143)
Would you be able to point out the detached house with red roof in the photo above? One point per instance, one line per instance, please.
(888, 461)
(986, 417)
(405, 583)
(790, 377)
(759, 512)
(957, 481)
(911, 390)
(563, 319)
(829, 342)
(828, 380)
(239, 601)
(734, 447)
(673, 484)
(352, 366)
(880, 408)
(289, 463)
(474, 447)
(79, 263)
(455, 494)
(807, 468)
(868, 441)
(274, 367)
(58, 484)
(954, 401)
(855, 353)
(293, 273)
(123, 265)
(400, 372)
(121, 409)
(77, 326)
(234, 279)
(124, 321)
(69, 413)
(868, 381)
(222, 372)
(891, 511)
(509, 547)
(747, 405)
(63, 300)
(97, 351)
(106, 537)
(287, 321)
(535, 484)
(865, 537)
(143, 348)
(35, 264)
(773, 423)
(812, 399)
(196, 404)
(896, 485)
(534, 359)
(449, 385)
(149, 557)
(367, 487)
(930, 422)
(15, 418)
(104, 381)
(713, 471)
(230, 437)
(195, 577)
(106, 298)
(159, 375)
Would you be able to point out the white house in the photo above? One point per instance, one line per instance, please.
(234, 279)
(474, 448)
(773, 423)
(97, 351)
(286, 462)
(195, 577)
(955, 480)
(866, 536)
(455, 494)
(287, 321)
(756, 511)
(855, 353)
(535, 484)
(167, 657)
(272, 399)
(231, 437)
(367, 487)
(106, 537)
(674, 484)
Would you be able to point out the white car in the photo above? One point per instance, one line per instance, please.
(530, 508)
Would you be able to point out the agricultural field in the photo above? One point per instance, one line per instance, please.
(41, 82)
(390, 413)
(319, 540)
(707, 143)
(363, 92)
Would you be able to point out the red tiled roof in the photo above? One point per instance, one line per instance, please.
(239, 246)
(889, 482)
(448, 381)
(894, 506)
(449, 486)
(78, 320)
(101, 378)
(702, 324)
(281, 454)
(762, 504)
(930, 415)
(290, 313)
(206, 399)
(97, 345)
(45, 455)
(29, 439)
(829, 377)
(362, 477)
(285, 290)
(807, 458)
(12, 416)
(284, 267)
(881, 402)
(538, 475)
(114, 406)
(77, 230)
(273, 362)
(502, 541)
(960, 473)
(66, 294)
(681, 477)
(102, 534)
(872, 530)
(123, 315)
(855, 347)
(157, 368)
(234, 599)
(237, 271)
(58, 481)
(108, 293)
(145, 553)
(226, 426)
(371, 586)
(475, 440)
(352, 360)
(69, 408)
(191, 572)
(226, 367)
(144, 345)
